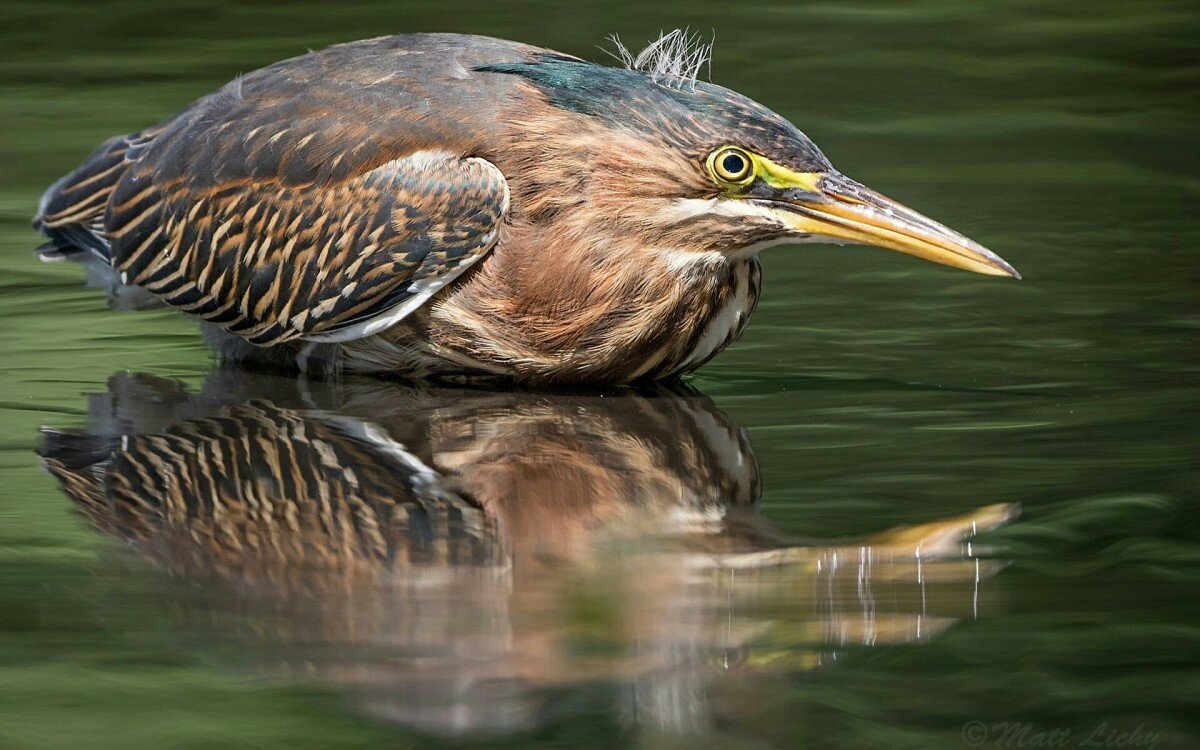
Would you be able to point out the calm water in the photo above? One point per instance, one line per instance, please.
(913, 507)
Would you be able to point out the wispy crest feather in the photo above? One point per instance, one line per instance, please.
(674, 59)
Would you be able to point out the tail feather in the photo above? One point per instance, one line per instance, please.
(71, 215)
(80, 198)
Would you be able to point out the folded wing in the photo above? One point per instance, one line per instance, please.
(323, 261)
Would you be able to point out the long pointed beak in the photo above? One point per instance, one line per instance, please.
(847, 211)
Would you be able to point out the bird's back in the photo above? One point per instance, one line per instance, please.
(318, 118)
(322, 196)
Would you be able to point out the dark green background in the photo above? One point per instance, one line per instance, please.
(877, 390)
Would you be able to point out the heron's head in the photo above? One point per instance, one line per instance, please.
(648, 152)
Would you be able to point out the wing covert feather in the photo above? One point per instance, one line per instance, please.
(275, 262)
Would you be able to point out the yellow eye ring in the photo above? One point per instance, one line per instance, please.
(731, 165)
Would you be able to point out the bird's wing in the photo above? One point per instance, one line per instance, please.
(321, 261)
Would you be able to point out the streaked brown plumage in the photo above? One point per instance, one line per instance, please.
(456, 206)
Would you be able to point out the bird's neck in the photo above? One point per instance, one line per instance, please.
(604, 308)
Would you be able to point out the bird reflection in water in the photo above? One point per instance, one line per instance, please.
(453, 560)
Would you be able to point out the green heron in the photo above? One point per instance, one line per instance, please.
(451, 206)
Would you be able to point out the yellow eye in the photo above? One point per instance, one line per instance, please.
(731, 165)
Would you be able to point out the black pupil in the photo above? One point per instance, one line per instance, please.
(733, 164)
